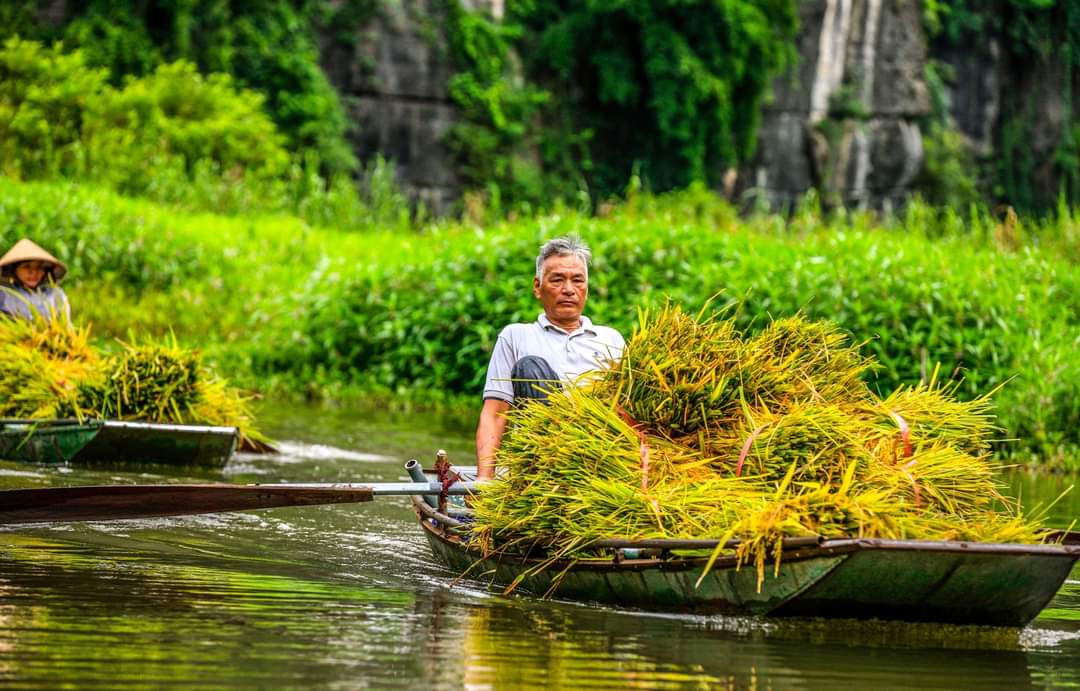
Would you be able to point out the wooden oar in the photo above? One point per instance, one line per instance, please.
(112, 502)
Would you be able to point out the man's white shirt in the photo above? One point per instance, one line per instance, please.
(570, 354)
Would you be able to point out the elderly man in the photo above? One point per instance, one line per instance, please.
(560, 346)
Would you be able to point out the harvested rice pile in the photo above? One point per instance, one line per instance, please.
(700, 432)
(52, 371)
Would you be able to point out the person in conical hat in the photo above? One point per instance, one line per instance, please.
(29, 278)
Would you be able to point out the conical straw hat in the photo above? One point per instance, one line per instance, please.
(27, 250)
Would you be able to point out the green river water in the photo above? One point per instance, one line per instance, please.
(347, 597)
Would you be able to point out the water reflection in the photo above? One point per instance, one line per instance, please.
(347, 597)
(509, 643)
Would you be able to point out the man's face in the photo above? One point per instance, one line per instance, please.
(562, 290)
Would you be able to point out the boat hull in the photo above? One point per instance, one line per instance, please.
(47, 441)
(961, 583)
(111, 441)
(947, 582)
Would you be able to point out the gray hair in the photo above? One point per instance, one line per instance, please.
(568, 246)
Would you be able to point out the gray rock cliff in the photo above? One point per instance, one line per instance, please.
(846, 121)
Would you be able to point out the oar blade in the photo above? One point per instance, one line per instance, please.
(113, 502)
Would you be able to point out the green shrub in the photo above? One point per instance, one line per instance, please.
(99, 238)
(211, 278)
(177, 114)
(269, 46)
(60, 118)
(44, 97)
(173, 136)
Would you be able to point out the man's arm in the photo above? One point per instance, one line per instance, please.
(489, 435)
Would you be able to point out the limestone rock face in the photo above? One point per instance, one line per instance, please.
(843, 122)
(974, 92)
(867, 55)
(393, 81)
(846, 122)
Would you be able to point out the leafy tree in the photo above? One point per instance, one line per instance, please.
(266, 45)
(672, 88)
(59, 117)
(44, 95)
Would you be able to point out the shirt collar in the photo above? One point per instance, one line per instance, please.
(586, 325)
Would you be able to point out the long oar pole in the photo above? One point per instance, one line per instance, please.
(113, 502)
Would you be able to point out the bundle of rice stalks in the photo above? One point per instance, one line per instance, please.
(51, 370)
(802, 359)
(928, 412)
(938, 477)
(678, 373)
(815, 441)
(987, 526)
(219, 404)
(58, 339)
(577, 471)
(40, 367)
(33, 385)
(153, 382)
(816, 509)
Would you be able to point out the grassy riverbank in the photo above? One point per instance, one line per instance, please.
(280, 304)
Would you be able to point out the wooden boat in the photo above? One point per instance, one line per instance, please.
(113, 441)
(905, 580)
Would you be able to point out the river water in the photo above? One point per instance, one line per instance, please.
(347, 597)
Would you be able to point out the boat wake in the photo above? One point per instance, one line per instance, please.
(300, 452)
(7, 472)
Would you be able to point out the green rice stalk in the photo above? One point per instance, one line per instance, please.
(819, 439)
(932, 415)
(677, 372)
(796, 358)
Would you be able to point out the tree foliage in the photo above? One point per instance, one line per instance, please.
(672, 88)
(61, 118)
(603, 90)
(269, 46)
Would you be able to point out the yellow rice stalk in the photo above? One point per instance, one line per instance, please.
(41, 365)
(58, 339)
(931, 414)
(819, 439)
(985, 527)
(808, 510)
(31, 384)
(678, 372)
(803, 359)
(219, 404)
(938, 477)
